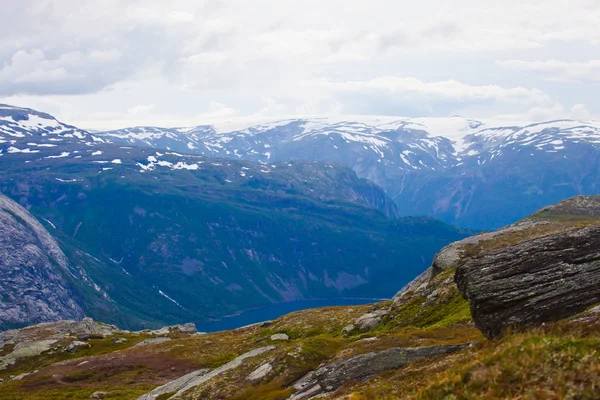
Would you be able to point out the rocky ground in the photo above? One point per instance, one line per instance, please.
(529, 328)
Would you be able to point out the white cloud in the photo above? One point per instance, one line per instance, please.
(205, 58)
(410, 88)
(580, 112)
(557, 70)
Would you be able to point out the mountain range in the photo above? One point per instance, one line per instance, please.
(154, 236)
(467, 172)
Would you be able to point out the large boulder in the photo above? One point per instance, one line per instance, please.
(537, 280)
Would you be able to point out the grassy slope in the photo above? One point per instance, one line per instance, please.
(557, 361)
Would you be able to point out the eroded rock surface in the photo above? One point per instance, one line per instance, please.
(333, 376)
(543, 279)
(187, 382)
(33, 287)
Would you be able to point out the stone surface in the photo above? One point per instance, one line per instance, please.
(33, 271)
(332, 376)
(348, 328)
(260, 372)
(371, 320)
(280, 336)
(197, 378)
(75, 346)
(100, 395)
(146, 342)
(26, 350)
(543, 279)
(190, 328)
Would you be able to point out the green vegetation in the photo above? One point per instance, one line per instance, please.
(217, 243)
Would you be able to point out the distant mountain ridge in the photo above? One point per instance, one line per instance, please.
(464, 171)
(169, 237)
(460, 170)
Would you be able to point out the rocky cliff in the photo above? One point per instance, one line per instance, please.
(33, 287)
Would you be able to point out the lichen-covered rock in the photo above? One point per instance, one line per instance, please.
(188, 382)
(280, 336)
(75, 346)
(348, 328)
(333, 376)
(260, 372)
(533, 281)
(371, 320)
(26, 350)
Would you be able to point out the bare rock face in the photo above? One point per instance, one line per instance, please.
(330, 377)
(33, 287)
(533, 281)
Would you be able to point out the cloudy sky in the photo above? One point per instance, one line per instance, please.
(113, 63)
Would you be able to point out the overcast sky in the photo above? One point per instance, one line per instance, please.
(114, 63)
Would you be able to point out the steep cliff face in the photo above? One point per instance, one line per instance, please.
(33, 287)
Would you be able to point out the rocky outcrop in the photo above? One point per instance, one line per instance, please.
(33, 287)
(187, 382)
(542, 279)
(333, 376)
(370, 320)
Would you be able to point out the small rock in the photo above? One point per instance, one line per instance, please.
(164, 331)
(280, 336)
(190, 327)
(19, 377)
(119, 340)
(347, 329)
(100, 395)
(260, 372)
(371, 320)
(77, 345)
(152, 341)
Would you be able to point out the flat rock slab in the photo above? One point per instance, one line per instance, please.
(333, 376)
(181, 385)
(540, 280)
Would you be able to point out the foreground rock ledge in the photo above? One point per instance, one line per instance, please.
(539, 280)
(333, 376)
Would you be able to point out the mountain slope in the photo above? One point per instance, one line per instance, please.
(423, 345)
(171, 237)
(33, 287)
(463, 171)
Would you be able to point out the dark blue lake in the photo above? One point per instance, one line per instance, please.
(275, 311)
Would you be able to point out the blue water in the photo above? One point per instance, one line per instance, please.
(275, 311)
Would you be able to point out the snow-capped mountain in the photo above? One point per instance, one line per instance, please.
(19, 125)
(479, 174)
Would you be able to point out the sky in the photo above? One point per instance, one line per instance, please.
(107, 64)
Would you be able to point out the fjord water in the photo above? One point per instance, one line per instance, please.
(275, 311)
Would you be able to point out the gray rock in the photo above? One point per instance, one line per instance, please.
(347, 329)
(260, 372)
(190, 328)
(197, 378)
(33, 271)
(100, 395)
(75, 346)
(535, 281)
(280, 336)
(371, 320)
(119, 340)
(90, 329)
(26, 350)
(147, 342)
(330, 377)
